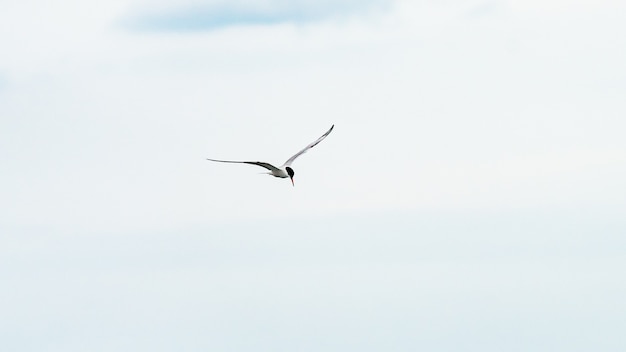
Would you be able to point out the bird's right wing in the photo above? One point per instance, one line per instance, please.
(259, 163)
(291, 160)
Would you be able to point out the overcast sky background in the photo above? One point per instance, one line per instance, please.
(471, 196)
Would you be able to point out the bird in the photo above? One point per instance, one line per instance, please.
(285, 170)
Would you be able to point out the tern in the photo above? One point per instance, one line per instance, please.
(285, 169)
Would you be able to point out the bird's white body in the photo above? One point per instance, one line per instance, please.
(284, 170)
(279, 173)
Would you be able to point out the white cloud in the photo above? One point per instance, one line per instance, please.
(433, 109)
(495, 128)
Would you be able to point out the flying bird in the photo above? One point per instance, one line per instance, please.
(285, 169)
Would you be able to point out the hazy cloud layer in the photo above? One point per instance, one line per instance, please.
(471, 196)
(438, 282)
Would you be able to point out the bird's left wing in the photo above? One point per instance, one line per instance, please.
(291, 160)
(259, 163)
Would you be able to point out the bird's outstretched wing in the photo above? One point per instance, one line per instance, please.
(259, 163)
(291, 160)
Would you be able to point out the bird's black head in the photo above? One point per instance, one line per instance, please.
(290, 172)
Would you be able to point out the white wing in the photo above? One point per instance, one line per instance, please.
(291, 160)
(259, 163)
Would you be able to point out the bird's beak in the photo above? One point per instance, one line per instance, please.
(292, 181)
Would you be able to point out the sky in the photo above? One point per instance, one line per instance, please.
(471, 196)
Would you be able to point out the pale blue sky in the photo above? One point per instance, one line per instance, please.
(471, 196)
(215, 15)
